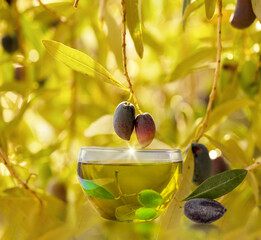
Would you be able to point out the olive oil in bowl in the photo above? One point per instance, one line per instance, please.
(130, 190)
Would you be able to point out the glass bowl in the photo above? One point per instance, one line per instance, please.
(129, 185)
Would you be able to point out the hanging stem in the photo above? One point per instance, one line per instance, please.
(76, 3)
(216, 77)
(123, 4)
(4, 159)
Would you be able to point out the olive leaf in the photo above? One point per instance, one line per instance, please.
(219, 184)
(102, 126)
(186, 65)
(80, 62)
(256, 5)
(210, 6)
(192, 7)
(134, 24)
(94, 190)
(225, 109)
(172, 217)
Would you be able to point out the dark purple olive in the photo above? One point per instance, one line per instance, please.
(243, 15)
(10, 43)
(57, 188)
(145, 129)
(124, 120)
(202, 163)
(219, 165)
(19, 73)
(202, 210)
(9, 2)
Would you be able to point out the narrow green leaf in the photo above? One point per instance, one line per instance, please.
(192, 7)
(231, 151)
(101, 126)
(210, 6)
(94, 190)
(80, 62)
(256, 5)
(225, 109)
(219, 184)
(114, 37)
(172, 217)
(187, 64)
(133, 9)
(185, 5)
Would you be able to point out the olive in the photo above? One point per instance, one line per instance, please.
(124, 120)
(202, 163)
(203, 210)
(243, 15)
(145, 129)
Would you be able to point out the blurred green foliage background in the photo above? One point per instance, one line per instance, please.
(47, 111)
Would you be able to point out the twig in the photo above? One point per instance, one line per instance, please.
(253, 166)
(123, 4)
(102, 8)
(29, 177)
(249, 168)
(13, 173)
(217, 72)
(62, 19)
(76, 3)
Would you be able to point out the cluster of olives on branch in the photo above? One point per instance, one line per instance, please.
(204, 167)
(203, 210)
(124, 122)
(243, 15)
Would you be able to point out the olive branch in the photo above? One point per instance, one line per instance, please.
(4, 159)
(212, 95)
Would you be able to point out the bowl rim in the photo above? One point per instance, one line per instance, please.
(114, 155)
(125, 149)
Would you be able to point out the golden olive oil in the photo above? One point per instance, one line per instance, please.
(135, 192)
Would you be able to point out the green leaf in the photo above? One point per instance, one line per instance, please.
(187, 64)
(134, 24)
(114, 37)
(231, 151)
(210, 6)
(192, 7)
(225, 109)
(185, 5)
(94, 190)
(256, 5)
(219, 184)
(125, 212)
(172, 217)
(80, 62)
(101, 126)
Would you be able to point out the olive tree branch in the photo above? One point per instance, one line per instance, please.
(123, 4)
(251, 167)
(4, 159)
(216, 77)
(76, 3)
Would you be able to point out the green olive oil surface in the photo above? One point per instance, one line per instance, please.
(128, 192)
